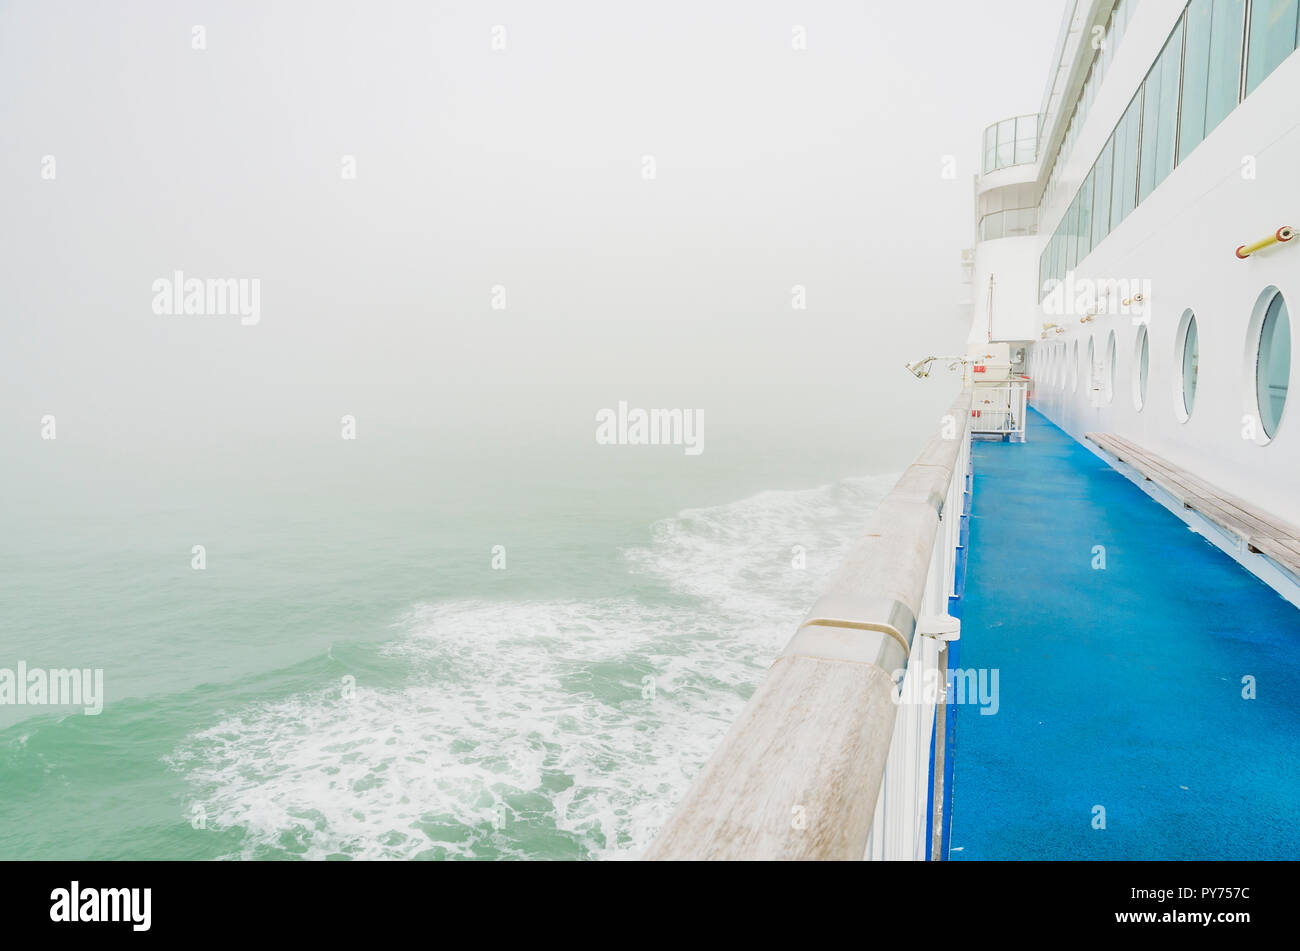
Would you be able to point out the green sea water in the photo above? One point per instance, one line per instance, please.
(351, 677)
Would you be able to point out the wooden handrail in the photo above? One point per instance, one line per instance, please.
(798, 774)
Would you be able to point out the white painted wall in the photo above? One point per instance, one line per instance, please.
(1182, 240)
(1013, 263)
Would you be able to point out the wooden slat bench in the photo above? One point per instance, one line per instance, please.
(1259, 531)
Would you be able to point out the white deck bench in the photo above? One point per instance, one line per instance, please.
(1259, 532)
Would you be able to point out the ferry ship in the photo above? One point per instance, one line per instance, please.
(1069, 631)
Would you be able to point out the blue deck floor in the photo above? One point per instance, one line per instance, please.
(1122, 687)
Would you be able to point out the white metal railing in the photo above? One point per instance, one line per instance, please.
(898, 829)
(1009, 223)
(998, 408)
(830, 758)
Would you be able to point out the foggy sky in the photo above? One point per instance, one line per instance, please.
(477, 167)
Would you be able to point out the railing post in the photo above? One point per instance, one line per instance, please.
(943, 630)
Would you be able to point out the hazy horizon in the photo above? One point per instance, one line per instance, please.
(487, 175)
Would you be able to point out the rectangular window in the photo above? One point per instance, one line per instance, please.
(1196, 74)
(1052, 245)
(1072, 235)
(1020, 222)
(1272, 38)
(1171, 67)
(1045, 271)
(1160, 116)
(1119, 157)
(1150, 132)
(1226, 28)
(1212, 68)
(1026, 138)
(1101, 193)
(1060, 251)
(1124, 190)
(1083, 227)
(1006, 143)
(990, 148)
(1049, 273)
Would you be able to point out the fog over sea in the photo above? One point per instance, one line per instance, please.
(349, 675)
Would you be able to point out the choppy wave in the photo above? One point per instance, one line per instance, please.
(543, 729)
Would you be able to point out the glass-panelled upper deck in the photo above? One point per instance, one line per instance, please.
(1217, 54)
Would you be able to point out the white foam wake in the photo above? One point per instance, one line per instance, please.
(536, 729)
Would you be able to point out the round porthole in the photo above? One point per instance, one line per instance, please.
(1141, 360)
(1110, 367)
(1092, 372)
(1268, 363)
(1188, 363)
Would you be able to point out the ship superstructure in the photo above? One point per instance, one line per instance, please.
(1136, 237)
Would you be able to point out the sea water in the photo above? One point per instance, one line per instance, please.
(456, 643)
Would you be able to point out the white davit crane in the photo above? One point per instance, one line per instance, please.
(921, 368)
